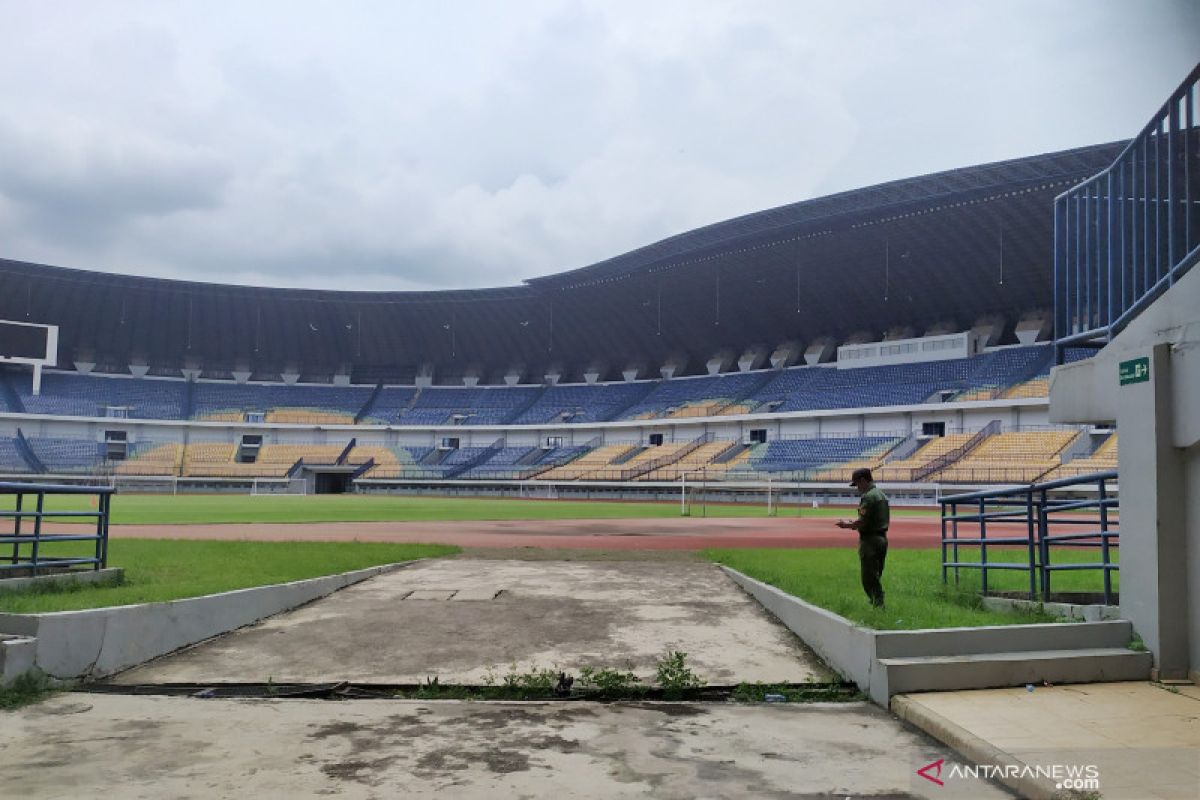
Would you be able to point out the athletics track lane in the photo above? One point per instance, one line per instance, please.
(684, 533)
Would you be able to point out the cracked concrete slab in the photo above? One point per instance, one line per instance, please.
(547, 614)
(81, 745)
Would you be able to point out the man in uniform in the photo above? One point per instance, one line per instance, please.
(872, 526)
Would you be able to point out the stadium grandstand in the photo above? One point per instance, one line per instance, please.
(906, 327)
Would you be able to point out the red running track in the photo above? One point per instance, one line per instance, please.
(684, 533)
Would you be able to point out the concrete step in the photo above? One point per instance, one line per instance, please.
(1003, 639)
(17, 656)
(993, 670)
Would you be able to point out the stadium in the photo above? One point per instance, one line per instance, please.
(793, 344)
(977, 338)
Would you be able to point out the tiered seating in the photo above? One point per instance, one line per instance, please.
(554, 457)
(870, 459)
(72, 394)
(390, 402)
(273, 461)
(1102, 459)
(10, 458)
(502, 465)
(62, 456)
(582, 403)
(454, 460)
(612, 472)
(691, 463)
(810, 456)
(901, 384)
(600, 458)
(1035, 387)
(1017, 371)
(905, 469)
(160, 459)
(787, 384)
(991, 373)
(675, 397)
(298, 416)
(1013, 457)
(477, 405)
(398, 463)
(206, 459)
(281, 403)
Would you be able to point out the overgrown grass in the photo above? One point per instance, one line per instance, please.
(133, 509)
(27, 689)
(157, 570)
(916, 597)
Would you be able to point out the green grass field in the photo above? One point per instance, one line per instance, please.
(148, 509)
(157, 570)
(916, 597)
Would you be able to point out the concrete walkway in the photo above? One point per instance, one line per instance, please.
(1142, 739)
(465, 619)
(80, 745)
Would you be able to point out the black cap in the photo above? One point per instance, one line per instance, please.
(861, 472)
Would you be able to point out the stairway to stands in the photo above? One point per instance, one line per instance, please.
(187, 405)
(31, 460)
(752, 389)
(648, 387)
(369, 405)
(9, 394)
(528, 404)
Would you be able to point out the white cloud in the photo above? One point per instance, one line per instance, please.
(377, 145)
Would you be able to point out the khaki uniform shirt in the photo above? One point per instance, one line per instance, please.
(874, 515)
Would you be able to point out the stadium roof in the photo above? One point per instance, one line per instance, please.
(948, 247)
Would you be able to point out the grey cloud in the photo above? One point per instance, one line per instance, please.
(87, 191)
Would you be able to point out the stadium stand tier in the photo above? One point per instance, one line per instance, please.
(1014, 457)
(1006, 371)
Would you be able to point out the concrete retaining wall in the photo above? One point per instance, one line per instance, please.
(94, 643)
(884, 663)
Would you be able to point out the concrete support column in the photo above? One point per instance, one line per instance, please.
(1154, 552)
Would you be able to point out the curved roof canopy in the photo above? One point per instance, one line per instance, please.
(948, 247)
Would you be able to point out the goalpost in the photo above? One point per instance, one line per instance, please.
(532, 490)
(696, 493)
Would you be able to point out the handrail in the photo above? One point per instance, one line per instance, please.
(1126, 234)
(662, 461)
(946, 459)
(1030, 506)
(35, 560)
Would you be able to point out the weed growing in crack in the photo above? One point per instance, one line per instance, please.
(675, 677)
(610, 683)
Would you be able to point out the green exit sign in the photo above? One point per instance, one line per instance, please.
(1136, 370)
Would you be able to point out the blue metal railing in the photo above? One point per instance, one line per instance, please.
(27, 540)
(1124, 236)
(1037, 516)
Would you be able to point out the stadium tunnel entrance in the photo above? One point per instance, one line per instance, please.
(327, 479)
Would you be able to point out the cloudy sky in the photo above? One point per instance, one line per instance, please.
(414, 145)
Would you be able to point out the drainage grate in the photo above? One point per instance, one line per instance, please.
(453, 594)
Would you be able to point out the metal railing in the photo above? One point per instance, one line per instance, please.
(1030, 520)
(27, 534)
(1124, 236)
